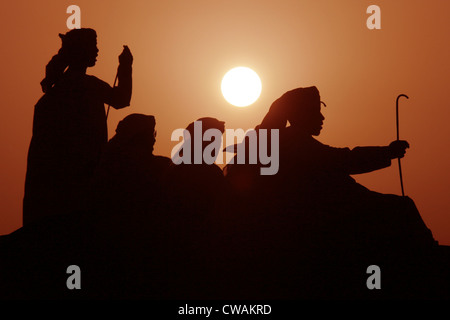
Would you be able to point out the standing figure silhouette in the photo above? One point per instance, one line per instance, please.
(69, 127)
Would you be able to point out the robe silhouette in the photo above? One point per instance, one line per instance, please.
(129, 203)
(316, 179)
(197, 192)
(130, 179)
(198, 185)
(69, 127)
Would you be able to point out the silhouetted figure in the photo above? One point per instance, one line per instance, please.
(197, 192)
(129, 179)
(316, 177)
(198, 183)
(69, 127)
(129, 202)
(310, 229)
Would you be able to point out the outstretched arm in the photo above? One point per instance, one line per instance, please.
(120, 96)
(367, 159)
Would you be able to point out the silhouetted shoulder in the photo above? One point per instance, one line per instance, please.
(163, 161)
(96, 82)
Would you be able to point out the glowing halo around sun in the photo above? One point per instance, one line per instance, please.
(241, 86)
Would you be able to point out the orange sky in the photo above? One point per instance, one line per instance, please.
(182, 48)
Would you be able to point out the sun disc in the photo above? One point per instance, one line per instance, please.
(241, 86)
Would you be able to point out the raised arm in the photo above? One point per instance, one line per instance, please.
(120, 95)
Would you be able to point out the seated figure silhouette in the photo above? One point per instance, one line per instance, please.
(128, 202)
(197, 189)
(316, 179)
(199, 184)
(69, 127)
(129, 179)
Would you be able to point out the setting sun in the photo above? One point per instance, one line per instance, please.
(241, 86)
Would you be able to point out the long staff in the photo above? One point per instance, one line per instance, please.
(398, 138)
(114, 85)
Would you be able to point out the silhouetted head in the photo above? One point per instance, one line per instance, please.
(193, 133)
(138, 129)
(301, 107)
(79, 47)
(207, 123)
(78, 50)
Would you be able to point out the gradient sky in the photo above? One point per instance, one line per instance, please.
(182, 49)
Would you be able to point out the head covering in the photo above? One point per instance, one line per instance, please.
(135, 124)
(76, 40)
(74, 45)
(296, 102)
(207, 123)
